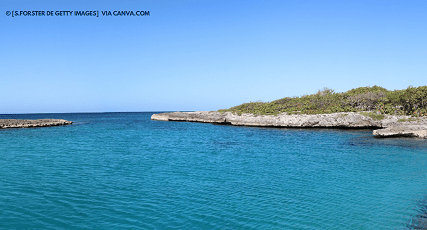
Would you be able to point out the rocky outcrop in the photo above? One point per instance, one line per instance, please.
(14, 123)
(403, 131)
(406, 127)
(393, 125)
(203, 116)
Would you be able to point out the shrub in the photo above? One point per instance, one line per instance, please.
(411, 101)
(374, 116)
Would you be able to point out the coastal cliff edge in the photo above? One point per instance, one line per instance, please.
(389, 126)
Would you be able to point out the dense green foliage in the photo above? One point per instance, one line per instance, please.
(411, 101)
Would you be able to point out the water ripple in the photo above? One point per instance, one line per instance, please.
(124, 171)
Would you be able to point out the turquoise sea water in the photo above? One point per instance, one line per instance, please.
(124, 171)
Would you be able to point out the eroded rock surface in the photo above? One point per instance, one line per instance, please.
(15, 123)
(403, 131)
(392, 125)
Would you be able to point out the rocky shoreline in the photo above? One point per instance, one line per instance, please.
(390, 126)
(15, 123)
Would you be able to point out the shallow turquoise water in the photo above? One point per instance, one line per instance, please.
(124, 171)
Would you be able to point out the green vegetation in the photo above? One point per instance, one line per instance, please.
(411, 101)
(409, 119)
(374, 116)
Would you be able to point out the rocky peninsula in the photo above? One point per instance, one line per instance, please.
(388, 126)
(15, 123)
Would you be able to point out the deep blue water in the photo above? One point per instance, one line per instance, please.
(125, 171)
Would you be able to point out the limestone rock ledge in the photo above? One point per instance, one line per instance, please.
(15, 123)
(335, 120)
(403, 131)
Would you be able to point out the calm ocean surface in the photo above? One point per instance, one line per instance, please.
(124, 171)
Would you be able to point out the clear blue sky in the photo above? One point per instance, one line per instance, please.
(204, 55)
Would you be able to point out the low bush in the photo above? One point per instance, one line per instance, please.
(374, 116)
(411, 101)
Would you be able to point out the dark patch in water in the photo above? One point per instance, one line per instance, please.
(407, 143)
(420, 220)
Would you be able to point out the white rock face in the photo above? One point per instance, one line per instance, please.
(304, 120)
(334, 120)
(403, 131)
